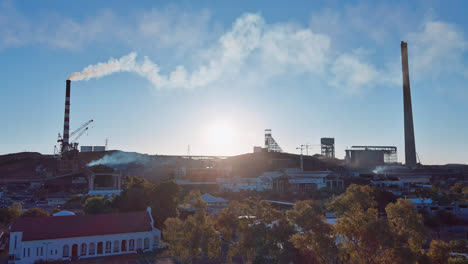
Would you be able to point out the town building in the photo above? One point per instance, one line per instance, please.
(65, 238)
(262, 183)
(298, 181)
(214, 205)
(213, 201)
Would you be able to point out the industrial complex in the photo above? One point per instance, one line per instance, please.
(77, 168)
(269, 169)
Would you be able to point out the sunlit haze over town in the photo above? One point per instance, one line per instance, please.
(233, 132)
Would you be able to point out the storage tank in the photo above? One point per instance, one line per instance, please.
(99, 148)
(86, 149)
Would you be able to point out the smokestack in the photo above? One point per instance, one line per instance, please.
(410, 148)
(66, 120)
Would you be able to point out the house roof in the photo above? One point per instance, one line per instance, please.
(421, 200)
(63, 213)
(55, 227)
(208, 198)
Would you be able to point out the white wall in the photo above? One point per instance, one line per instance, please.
(53, 249)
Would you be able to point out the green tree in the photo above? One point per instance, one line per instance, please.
(316, 238)
(135, 196)
(458, 259)
(10, 213)
(14, 211)
(457, 188)
(35, 212)
(407, 229)
(164, 200)
(194, 199)
(97, 205)
(382, 198)
(193, 238)
(368, 238)
(459, 245)
(439, 252)
(55, 210)
(255, 232)
(139, 194)
(175, 234)
(406, 224)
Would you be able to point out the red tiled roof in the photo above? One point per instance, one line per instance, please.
(54, 227)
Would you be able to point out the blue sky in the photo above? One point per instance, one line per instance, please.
(215, 74)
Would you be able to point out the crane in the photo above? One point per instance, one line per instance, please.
(81, 127)
(307, 146)
(73, 146)
(79, 135)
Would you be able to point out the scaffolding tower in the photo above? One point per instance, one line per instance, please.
(270, 142)
(328, 147)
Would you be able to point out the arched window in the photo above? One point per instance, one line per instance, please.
(146, 243)
(131, 245)
(116, 246)
(108, 247)
(66, 251)
(92, 249)
(83, 249)
(99, 248)
(124, 245)
(139, 244)
(74, 251)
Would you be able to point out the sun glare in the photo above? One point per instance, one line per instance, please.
(220, 133)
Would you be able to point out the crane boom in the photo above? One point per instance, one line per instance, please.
(80, 134)
(81, 127)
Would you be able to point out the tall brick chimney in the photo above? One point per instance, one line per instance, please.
(66, 120)
(410, 146)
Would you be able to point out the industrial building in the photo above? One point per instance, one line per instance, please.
(371, 156)
(296, 181)
(92, 148)
(328, 147)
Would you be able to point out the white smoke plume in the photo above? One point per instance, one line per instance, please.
(273, 49)
(121, 158)
(145, 68)
(124, 64)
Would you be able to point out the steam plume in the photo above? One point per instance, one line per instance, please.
(145, 68)
(278, 49)
(124, 64)
(121, 158)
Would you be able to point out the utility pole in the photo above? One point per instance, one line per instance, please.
(302, 160)
(307, 148)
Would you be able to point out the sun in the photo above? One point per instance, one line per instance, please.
(220, 133)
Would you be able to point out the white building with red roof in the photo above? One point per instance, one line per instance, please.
(78, 237)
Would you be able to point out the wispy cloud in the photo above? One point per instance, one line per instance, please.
(438, 48)
(169, 27)
(250, 44)
(329, 47)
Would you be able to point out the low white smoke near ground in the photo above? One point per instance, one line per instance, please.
(116, 159)
(386, 168)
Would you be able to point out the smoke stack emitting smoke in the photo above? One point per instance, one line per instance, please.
(179, 78)
(124, 64)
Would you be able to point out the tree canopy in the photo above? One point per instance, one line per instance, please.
(35, 212)
(316, 238)
(367, 237)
